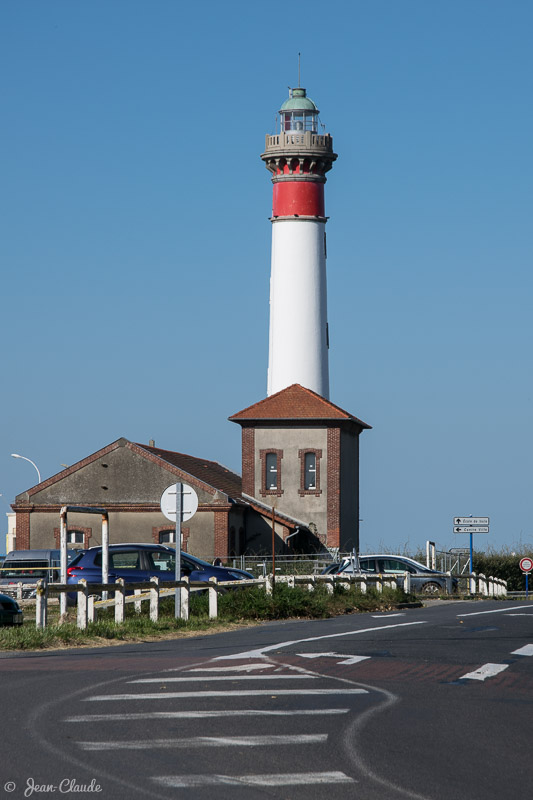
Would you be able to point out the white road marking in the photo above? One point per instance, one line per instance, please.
(346, 659)
(223, 693)
(527, 650)
(208, 741)
(165, 679)
(484, 672)
(237, 668)
(388, 616)
(258, 653)
(291, 779)
(524, 614)
(247, 712)
(493, 611)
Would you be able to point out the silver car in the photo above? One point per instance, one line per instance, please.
(423, 579)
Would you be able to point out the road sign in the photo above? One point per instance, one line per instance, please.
(471, 529)
(526, 564)
(471, 521)
(189, 503)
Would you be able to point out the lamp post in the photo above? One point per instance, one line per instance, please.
(16, 455)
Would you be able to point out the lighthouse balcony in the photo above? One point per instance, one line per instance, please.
(299, 142)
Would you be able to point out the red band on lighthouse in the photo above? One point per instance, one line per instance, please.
(298, 198)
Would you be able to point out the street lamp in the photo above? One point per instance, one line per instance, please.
(16, 455)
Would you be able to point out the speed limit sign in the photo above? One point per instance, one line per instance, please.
(526, 564)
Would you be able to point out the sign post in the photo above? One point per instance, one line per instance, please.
(471, 525)
(178, 503)
(526, 565)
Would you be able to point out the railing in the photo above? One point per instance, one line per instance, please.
(151, 592)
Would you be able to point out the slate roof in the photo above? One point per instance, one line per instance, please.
(295, 403)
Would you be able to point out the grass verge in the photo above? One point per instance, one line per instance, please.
(243, 607)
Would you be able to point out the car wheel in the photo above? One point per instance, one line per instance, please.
(432, 588)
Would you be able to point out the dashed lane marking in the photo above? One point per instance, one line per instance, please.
(241, 693)
(493, 611)
(206, 678)
(245, 712)
(208, 741)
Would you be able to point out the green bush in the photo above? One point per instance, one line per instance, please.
(502, 565)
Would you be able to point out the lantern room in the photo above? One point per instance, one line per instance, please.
(299, 113)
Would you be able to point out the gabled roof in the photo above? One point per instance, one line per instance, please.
(295, 403)
(210, 472)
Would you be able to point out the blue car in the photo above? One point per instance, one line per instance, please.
(136, 563)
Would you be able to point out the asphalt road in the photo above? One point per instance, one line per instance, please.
(427, 703)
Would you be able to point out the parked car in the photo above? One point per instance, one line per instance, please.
(10, 611)
(136, 563)
(423, 579)
(29, 566)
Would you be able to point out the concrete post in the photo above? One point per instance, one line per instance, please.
(119, 600)
(83, 595)
(213, 598)
(154, 598)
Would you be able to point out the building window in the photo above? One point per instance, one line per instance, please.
(76, 537)
(167, 537)
(271, 472)
(310, 472)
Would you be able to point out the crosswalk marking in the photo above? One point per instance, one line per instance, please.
(206, 678)
(208, 741)
(291, 779)
(233, 668)
(484, 672)
(223, 693)
(232, 712)
(527, 650)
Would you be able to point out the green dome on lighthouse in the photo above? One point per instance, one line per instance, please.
(298, 100)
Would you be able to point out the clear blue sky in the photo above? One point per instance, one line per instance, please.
(135, 243)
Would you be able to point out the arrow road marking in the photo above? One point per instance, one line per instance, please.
(349, 660)
(484, 672)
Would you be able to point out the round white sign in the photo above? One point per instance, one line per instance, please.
(526, 564)
(189, 501)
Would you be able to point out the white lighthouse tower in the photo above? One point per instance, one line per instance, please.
(298, 158)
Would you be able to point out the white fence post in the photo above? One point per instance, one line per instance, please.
(41, 605)
(91, 611)
(138, 603)
(119, 600)
(83, 596)
(473, 577)
(213, 598)
(185, 597)
(290, 581)
(490, 588)
(154, 598)
(268, 584)
(379, 583)
(407, 582)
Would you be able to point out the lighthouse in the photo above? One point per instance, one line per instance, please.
(298, 157)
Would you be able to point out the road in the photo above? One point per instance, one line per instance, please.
(425, 703)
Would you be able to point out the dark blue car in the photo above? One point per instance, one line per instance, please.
(136, 563)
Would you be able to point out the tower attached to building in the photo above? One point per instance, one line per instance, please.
(298, 158)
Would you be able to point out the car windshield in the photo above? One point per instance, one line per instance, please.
(25, 569)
